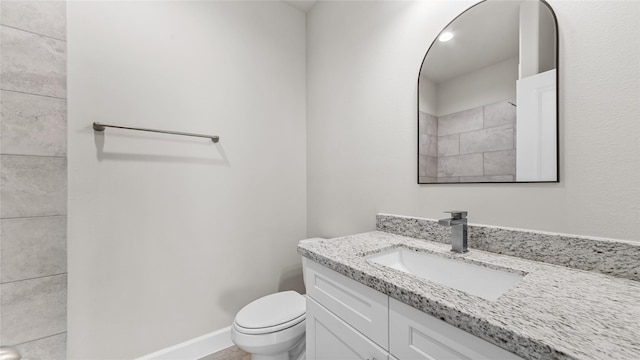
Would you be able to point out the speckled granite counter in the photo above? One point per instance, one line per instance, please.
(553, 313)
(618, 258)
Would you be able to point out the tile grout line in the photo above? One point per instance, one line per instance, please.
(32, 217)
(29, 155)
(42, 338)
(483, 128)
(480, 152)
(34, 278)
(32, 94)
(476, 130)
(33, 32)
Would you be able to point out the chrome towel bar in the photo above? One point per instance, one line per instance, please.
(100, 127)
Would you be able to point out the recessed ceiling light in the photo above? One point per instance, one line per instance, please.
(445, 36)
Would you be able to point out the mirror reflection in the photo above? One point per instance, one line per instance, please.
(487, 97)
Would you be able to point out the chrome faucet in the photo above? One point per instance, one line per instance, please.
(458, 223)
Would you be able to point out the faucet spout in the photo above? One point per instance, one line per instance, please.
(458, 224)
(452, 222)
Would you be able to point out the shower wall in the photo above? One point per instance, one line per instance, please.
(428, 148)
(33, 191)
(478, 144)
(473, 145)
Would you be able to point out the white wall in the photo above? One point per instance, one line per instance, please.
(537, 39)
(170, 236)
(547, 42)
(484, 86)
(529, 39)
(362, 66)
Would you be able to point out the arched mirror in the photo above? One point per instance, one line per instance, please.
(487, 97)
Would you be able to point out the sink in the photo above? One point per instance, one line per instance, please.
(473, 279)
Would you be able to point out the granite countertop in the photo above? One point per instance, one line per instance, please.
(554, 312)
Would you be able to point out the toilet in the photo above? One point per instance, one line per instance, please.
(273, 327)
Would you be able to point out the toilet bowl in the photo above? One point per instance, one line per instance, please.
(272, 327)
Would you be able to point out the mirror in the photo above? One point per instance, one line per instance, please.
(487, 97)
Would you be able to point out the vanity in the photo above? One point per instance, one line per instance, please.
(487, 113)
(361, 307)
(347, 320)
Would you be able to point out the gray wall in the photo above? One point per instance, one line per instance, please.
(33, 208)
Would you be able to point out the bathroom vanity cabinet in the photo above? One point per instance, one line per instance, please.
(348, 320)
(329, 337)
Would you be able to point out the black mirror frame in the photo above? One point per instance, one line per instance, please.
(555, 21)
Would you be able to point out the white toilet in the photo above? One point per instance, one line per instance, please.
(273, 327)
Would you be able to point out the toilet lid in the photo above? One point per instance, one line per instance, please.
(283, 308)
(273, 329)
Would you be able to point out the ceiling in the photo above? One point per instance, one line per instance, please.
(302, 5)
(483, 35)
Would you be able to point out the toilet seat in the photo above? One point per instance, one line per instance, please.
(271, 313)
(266, 346)
(269, 329)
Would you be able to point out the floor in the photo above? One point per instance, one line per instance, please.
(230, 353)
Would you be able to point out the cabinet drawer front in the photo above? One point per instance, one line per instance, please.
(329, 338)
(360, 306)
(416, 335)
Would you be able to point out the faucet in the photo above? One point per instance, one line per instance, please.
(458, 223)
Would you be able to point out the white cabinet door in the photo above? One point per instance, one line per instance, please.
(415, 335)
(363, 308)
(329, 338)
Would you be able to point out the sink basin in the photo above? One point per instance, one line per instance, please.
(473, 279)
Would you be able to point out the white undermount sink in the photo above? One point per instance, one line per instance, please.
(473, 279)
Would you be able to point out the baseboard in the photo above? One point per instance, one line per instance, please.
(195, 348)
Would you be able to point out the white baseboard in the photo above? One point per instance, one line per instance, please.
(195, 348)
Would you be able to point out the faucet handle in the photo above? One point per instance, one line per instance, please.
(457, 214)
